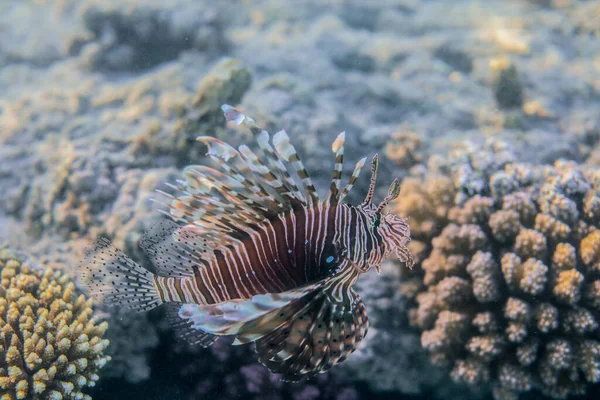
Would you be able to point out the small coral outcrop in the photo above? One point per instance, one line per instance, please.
(508, 89)
(404, 149)
(507, 290)
(51, 345)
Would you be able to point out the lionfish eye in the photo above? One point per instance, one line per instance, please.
(376, 222)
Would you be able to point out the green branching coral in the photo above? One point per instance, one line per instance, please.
(51, 345)
(507, 290)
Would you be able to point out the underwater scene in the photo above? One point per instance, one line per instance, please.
(339, 200)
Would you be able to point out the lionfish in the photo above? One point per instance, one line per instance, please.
(246, 253)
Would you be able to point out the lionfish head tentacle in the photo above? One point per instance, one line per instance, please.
(371, 192)
(393, 193)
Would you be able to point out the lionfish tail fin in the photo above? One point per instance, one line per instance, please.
(117, 280)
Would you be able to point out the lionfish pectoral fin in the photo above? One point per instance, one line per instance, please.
(260, 313)
(183, 328)
(322, 333)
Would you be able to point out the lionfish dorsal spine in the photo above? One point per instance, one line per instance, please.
(357, 169)
(333, 196)
(278, 167)
(374, 167)
(284, 146)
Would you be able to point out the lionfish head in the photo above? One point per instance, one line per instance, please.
(393, 229)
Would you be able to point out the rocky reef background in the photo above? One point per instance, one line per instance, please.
(100, 102)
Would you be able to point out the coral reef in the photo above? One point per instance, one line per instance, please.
(227, 82)
(101, 100)
(404, 148)
(506, 290)
(84, 178)
(401, 369)
(136, 38)
(93, 178)
(51, 344)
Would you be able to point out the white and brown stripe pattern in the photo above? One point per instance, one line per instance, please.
(247, 242)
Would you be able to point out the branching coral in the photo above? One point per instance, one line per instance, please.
(510, 287)
(51, 345)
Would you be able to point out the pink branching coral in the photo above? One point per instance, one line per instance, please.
(507, 288)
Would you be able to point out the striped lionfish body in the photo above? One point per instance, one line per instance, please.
(251, 251)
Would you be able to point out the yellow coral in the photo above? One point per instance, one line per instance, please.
(404, 149)
(568, 286)
(590, 251)
(51, 345)
(427, 202)
(530, 243)
(504, 224)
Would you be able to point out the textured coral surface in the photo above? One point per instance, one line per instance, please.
(507, 289)
(51, 344)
